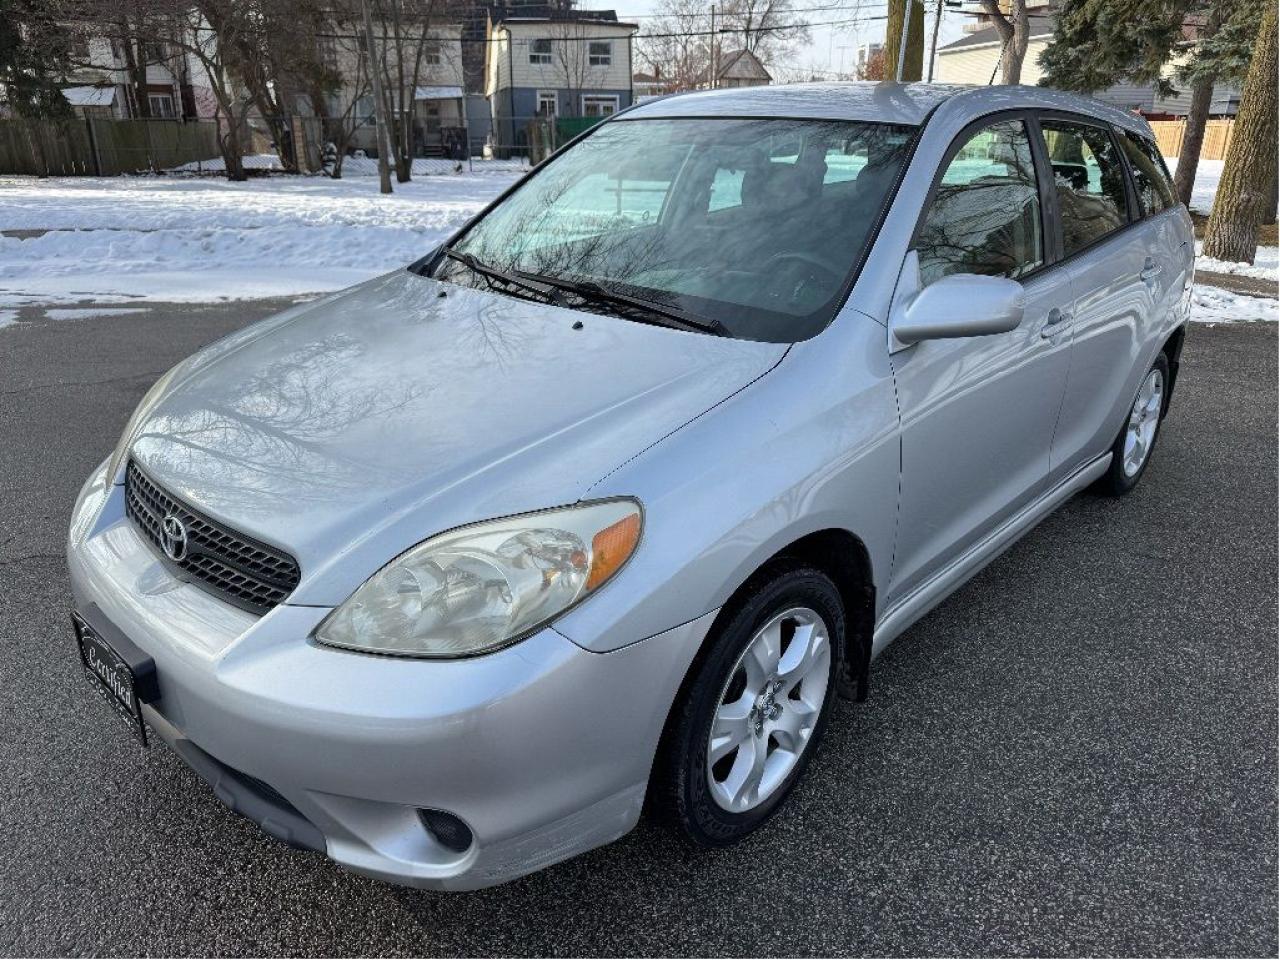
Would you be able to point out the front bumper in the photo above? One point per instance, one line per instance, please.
(542, 749)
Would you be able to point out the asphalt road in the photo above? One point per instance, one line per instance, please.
(1076, 754)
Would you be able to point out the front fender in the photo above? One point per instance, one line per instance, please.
(813, 445)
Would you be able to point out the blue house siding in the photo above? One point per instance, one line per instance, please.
(522, 104)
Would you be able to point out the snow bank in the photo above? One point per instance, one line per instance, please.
(1215, 305)
(195, 240)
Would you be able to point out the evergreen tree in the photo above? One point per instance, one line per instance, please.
(1098, 43)
(34, 56)
(1248, 176)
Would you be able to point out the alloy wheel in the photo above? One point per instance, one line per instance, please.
(768, 709)
(1144, 418)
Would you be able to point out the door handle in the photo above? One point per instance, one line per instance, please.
(1150, 271)
(1055, 322)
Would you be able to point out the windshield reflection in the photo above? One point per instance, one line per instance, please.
(755, 224)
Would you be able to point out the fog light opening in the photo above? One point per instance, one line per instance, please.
(446, 829)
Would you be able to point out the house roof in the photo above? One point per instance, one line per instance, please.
(743, 65)
(89, 96)
(1039, 28)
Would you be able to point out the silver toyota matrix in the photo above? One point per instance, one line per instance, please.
(599, 505)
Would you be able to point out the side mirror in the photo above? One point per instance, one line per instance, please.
(961, 305)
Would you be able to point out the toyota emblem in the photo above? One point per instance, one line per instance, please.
(173, 538)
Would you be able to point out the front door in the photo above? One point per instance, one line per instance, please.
(978, 413)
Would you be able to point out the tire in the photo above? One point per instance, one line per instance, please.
(1144, 419)
(712, 804)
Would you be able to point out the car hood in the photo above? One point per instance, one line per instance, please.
(347, 431)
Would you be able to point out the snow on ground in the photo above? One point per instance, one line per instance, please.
(90, 313)
(360, 166)
(200, 240)
(1215, 305)
(183, 239)
(1208, 173)
(8, 318)
(1265, 266)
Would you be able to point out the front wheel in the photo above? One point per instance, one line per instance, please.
(1131, 451)
(756, 708)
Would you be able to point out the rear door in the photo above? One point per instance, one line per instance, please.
(1110, 262)
(1166, 235)
(978, 413)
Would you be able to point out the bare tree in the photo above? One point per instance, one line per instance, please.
(1014, 30)
(676, 44)
(571, 55)
(412, 45)
(771, 29)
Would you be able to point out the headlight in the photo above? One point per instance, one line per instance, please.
(140, 413)
(478, 588)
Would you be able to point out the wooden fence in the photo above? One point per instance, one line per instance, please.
(1217, 136)
(103, 147)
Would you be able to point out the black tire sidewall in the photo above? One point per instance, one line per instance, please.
(689, 794)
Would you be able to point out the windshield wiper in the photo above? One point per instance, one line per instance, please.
(545, 288)
(545, 292)
(644, 310)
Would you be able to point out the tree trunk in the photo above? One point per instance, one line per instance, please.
(1184, 177)
(912, 12)
(1247, 174)
(1015, 48)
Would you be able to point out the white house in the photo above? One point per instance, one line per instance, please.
(566, 64)
(439, 116)
(102, 85)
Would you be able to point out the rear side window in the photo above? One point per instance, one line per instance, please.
(1150, 179)
(1089, 179)
(985, 216)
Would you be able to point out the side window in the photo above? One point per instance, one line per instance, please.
(985, 217)
(1155, 192)
(1090, 182)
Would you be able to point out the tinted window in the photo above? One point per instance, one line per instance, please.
(756, 223)
(1089, 180)
(1150, 180)
(985, 215)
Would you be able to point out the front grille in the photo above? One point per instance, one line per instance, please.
(250, 574)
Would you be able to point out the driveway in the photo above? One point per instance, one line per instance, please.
(1074, 755)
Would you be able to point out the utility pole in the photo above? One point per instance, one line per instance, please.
(715, 57)
(379, 108)
(933, 44)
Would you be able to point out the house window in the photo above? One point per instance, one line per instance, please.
(600, 53)
(156, 53)
(431, 55)
(548, 105)
(540, 50)
(161, 105)
(80, 46)
(599, 106)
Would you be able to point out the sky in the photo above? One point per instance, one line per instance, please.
(832, 48)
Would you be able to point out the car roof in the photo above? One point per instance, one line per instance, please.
(905, 103)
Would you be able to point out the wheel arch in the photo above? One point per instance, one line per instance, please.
(1172, 349)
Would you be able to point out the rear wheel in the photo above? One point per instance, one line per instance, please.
(1131, 452)
(754, 712)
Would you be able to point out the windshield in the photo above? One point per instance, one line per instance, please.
(754, 226)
